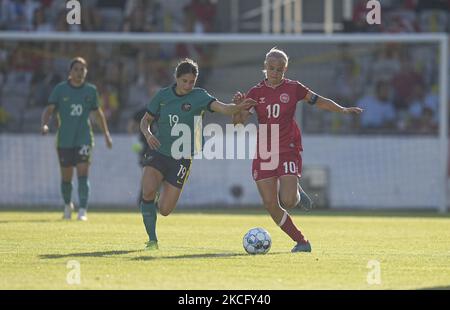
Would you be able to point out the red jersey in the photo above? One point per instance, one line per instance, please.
(277, 106)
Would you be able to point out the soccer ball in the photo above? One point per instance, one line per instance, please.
(257, 241)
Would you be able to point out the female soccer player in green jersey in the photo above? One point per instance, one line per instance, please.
(72, 101)
(173, 107)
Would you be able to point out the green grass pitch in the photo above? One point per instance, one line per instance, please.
(203, 250)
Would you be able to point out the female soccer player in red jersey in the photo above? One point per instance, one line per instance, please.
(277, 98)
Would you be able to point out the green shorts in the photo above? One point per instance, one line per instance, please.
(174, 171)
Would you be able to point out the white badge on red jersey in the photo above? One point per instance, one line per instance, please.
(284, 98)
(262, 100)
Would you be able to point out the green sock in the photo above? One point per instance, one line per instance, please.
(83, 192)
(148, 210)
(66, 191)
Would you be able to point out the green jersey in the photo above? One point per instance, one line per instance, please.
(73, 105)
(171, 110)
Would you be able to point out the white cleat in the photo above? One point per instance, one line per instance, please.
(68, 209)
(82, 215)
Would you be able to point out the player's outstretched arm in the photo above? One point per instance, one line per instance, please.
(101, 120)
(152, 141)
(46, 117)
(232, 108)
(328, 104)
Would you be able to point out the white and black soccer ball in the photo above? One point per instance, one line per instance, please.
(257, 241)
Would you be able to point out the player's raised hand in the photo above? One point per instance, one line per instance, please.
(238, 98)
(44, 130)
(247, 104)
(153, 142)
(354, 110)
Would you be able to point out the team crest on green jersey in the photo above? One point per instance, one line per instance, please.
(186, 107)
(88, 99)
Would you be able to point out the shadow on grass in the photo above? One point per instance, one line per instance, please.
(149, 257)
(87, 254)
(197, 256)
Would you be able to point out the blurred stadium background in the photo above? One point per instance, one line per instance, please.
(392, 157)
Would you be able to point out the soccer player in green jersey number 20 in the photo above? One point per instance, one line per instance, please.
(172, 108)
(72, 101)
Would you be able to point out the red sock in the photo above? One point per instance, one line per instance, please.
(290, 229)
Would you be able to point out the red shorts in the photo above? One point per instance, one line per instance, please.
(288, 164)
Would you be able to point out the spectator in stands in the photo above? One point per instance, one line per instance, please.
(400, 21)
(423, 110)
(109, 102)
(398, 16)
(40, 22)
(379, 109)
(140, 16)
(25, 59)
(425, 124)
(404, 82)
(358, 23)
(4, 14)
(90, 17)
(387, 61)
(202, 14)
(173, 17)
(348, 81)
(112, 72)
(42, 83)
(433, 15)
(140, 90)
(19, 14)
